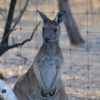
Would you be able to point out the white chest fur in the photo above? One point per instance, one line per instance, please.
(48, 71)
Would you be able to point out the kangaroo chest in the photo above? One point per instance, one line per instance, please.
(48, 71)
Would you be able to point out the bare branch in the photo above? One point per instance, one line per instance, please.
(4, 18)
(12, 29)
(13, 40)
(4, 47)
(20, 44)
(24, 58)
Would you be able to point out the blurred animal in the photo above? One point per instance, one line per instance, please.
(42, 81)
(5, 92)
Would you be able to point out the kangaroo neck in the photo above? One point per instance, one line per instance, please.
(51, 48)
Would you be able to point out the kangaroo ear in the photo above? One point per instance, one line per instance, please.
(60, 17)
(43, 16)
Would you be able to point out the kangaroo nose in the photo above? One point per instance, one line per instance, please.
(47, 39)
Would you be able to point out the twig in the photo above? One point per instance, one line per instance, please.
(12, 29)
(4, 18)
(24, 58)
(13, 40)
(4, 47)
(20, 44)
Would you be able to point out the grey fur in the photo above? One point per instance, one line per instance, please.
(42, 81)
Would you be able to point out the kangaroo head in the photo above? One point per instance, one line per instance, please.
(51, 28)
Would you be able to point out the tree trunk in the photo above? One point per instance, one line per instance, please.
(8, 22)
(4, 43)
(70, 24)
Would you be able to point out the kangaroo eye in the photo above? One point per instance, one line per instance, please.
(55, 30)
(3, 91)
(43, 29)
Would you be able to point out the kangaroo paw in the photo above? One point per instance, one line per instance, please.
(43, 92)
(52, 92)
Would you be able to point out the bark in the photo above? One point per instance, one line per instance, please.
(8, 22)
(70, 24)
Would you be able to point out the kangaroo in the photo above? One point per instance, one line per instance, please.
(42, 81)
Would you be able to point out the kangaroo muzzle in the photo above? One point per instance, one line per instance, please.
(47, 39)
